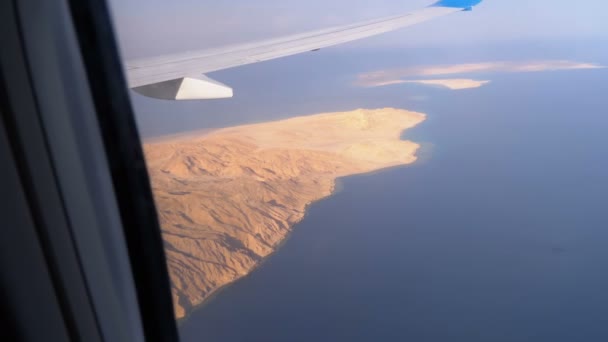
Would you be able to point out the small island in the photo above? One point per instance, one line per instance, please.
(227, 198)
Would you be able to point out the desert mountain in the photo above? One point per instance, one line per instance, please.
(226, 199)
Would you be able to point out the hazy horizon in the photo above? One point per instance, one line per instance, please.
(195, 25)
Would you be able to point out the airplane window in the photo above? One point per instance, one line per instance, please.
(377, 171)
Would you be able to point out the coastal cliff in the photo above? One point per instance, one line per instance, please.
(226, 199)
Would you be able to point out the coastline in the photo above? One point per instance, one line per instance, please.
(218, 291)
(338, 187)
(335, 190)
(265, 159)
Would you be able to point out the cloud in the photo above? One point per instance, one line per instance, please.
(409, 75)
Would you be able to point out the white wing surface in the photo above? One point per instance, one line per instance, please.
(181, 76)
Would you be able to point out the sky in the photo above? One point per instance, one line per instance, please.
(154, 27)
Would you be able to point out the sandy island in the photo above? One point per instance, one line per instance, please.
(449, 83)
(227, 198)
(452, 83)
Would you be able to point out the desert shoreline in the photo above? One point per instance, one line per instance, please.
(229, 199)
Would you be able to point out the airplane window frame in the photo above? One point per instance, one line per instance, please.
(126, 160)
(67, 90)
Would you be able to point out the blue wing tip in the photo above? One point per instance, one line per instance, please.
(466, 5)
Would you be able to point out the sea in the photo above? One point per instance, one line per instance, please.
(499, 232)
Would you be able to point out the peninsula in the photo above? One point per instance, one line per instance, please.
(227, 198)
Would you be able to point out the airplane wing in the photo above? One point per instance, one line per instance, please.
(181, 76)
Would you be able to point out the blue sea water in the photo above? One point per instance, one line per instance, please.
(498, 233)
